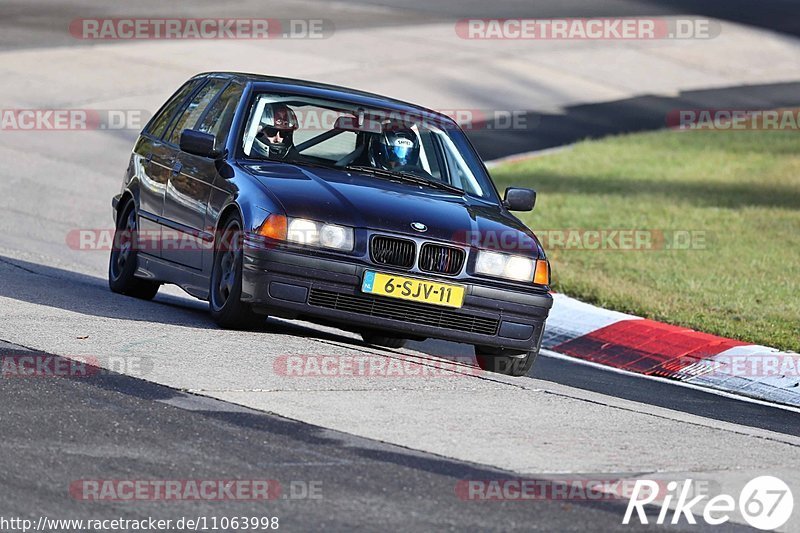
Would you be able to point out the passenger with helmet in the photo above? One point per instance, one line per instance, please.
(274, 139)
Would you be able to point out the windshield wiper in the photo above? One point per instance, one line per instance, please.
(407, 177)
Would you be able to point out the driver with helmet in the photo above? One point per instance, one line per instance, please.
(275, 132)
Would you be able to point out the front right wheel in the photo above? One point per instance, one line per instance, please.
(506, 362)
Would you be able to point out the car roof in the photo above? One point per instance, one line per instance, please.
(324, 90)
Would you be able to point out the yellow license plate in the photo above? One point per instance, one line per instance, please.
(417, 290)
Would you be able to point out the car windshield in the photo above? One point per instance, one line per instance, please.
(425, 150)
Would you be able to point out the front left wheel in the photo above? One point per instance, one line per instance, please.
(123, 259)
(382, 338)
(506, 362)
(225, 293)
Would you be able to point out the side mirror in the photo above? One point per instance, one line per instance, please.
(519, 199)
(199, 143)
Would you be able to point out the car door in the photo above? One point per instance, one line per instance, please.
(152, 158)
(191, 177)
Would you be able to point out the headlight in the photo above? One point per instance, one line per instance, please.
(302, 231)
(339, 237)
(515, 267)
(313, 233)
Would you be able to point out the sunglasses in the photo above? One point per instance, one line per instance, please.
(271, 131)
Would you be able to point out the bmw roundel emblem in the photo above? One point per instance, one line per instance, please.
(419, 226)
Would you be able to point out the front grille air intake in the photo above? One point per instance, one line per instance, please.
(393, 252)
(441, 259)
(413, 312)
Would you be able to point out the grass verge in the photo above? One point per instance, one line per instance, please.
(736, 273)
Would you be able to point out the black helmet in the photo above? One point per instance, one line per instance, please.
(397, 145)
(277, 119)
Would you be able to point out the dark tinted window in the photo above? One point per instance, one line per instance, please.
(218, 118)
(194, 110)
(159, 122)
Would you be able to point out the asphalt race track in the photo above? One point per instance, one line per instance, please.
(174, 397)
(119, 426)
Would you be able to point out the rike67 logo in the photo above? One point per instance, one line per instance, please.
(765, 503)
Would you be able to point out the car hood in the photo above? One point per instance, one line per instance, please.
(360, 200)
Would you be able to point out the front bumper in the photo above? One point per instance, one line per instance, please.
(290, 284)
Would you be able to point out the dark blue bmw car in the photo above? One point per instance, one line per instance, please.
(270, 196)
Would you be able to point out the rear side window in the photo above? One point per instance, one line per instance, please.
(219, 116)
(159, 122)
(192, 113)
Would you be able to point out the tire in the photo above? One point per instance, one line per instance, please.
(379, 338)
(506, 362)
(225, 291)
(123, 259)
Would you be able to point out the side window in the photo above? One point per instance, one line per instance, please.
(194, 110)
(158, 123)
(218, 118)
